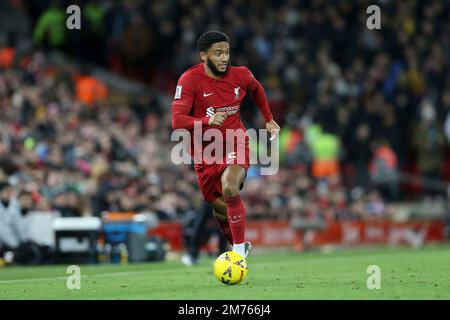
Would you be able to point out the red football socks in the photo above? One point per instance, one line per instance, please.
(236, 218)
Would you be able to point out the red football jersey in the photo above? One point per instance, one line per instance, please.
(198, 96)
(201, 95)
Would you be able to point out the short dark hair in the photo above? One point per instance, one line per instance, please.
(206, 40)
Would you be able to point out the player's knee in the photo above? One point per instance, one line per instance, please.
(230, 188)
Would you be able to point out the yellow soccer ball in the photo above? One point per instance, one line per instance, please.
(230, 268)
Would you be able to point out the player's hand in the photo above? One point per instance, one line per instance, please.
(273, 128)
(217, 119)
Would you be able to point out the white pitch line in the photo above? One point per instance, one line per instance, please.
(82, 276)
(31, 280)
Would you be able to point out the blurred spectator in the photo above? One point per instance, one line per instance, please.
(50, 29)
(325, 147)
(359, 152)
(68, 204)
(383, 169)
(136, 47)
(88, 89)
(446, 109)
(15, 25)
(12, 227)
(6, 56)
(429, 141)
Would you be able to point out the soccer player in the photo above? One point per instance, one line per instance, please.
(210, 93)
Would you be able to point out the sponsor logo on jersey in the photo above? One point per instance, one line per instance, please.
(210, 111)
(229, 110)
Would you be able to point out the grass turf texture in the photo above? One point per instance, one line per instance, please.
(405, 274)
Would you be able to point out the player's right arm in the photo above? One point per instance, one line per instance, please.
(183, 103)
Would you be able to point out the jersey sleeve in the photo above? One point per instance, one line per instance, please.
(257, 94)
(182, 104)
(250, 81)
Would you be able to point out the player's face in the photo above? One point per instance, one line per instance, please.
(218, 57)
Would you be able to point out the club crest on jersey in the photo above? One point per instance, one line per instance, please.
(209, 111)
(236, 93)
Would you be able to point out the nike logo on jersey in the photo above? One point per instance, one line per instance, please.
(236, 219)
(207, 94)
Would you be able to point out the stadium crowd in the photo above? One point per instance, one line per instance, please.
(58, 152)
(356, 106)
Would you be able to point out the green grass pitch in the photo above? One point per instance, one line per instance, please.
(405, 274)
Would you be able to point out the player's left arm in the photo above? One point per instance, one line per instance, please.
(259, 98)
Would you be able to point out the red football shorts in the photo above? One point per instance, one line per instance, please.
(209, 175)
